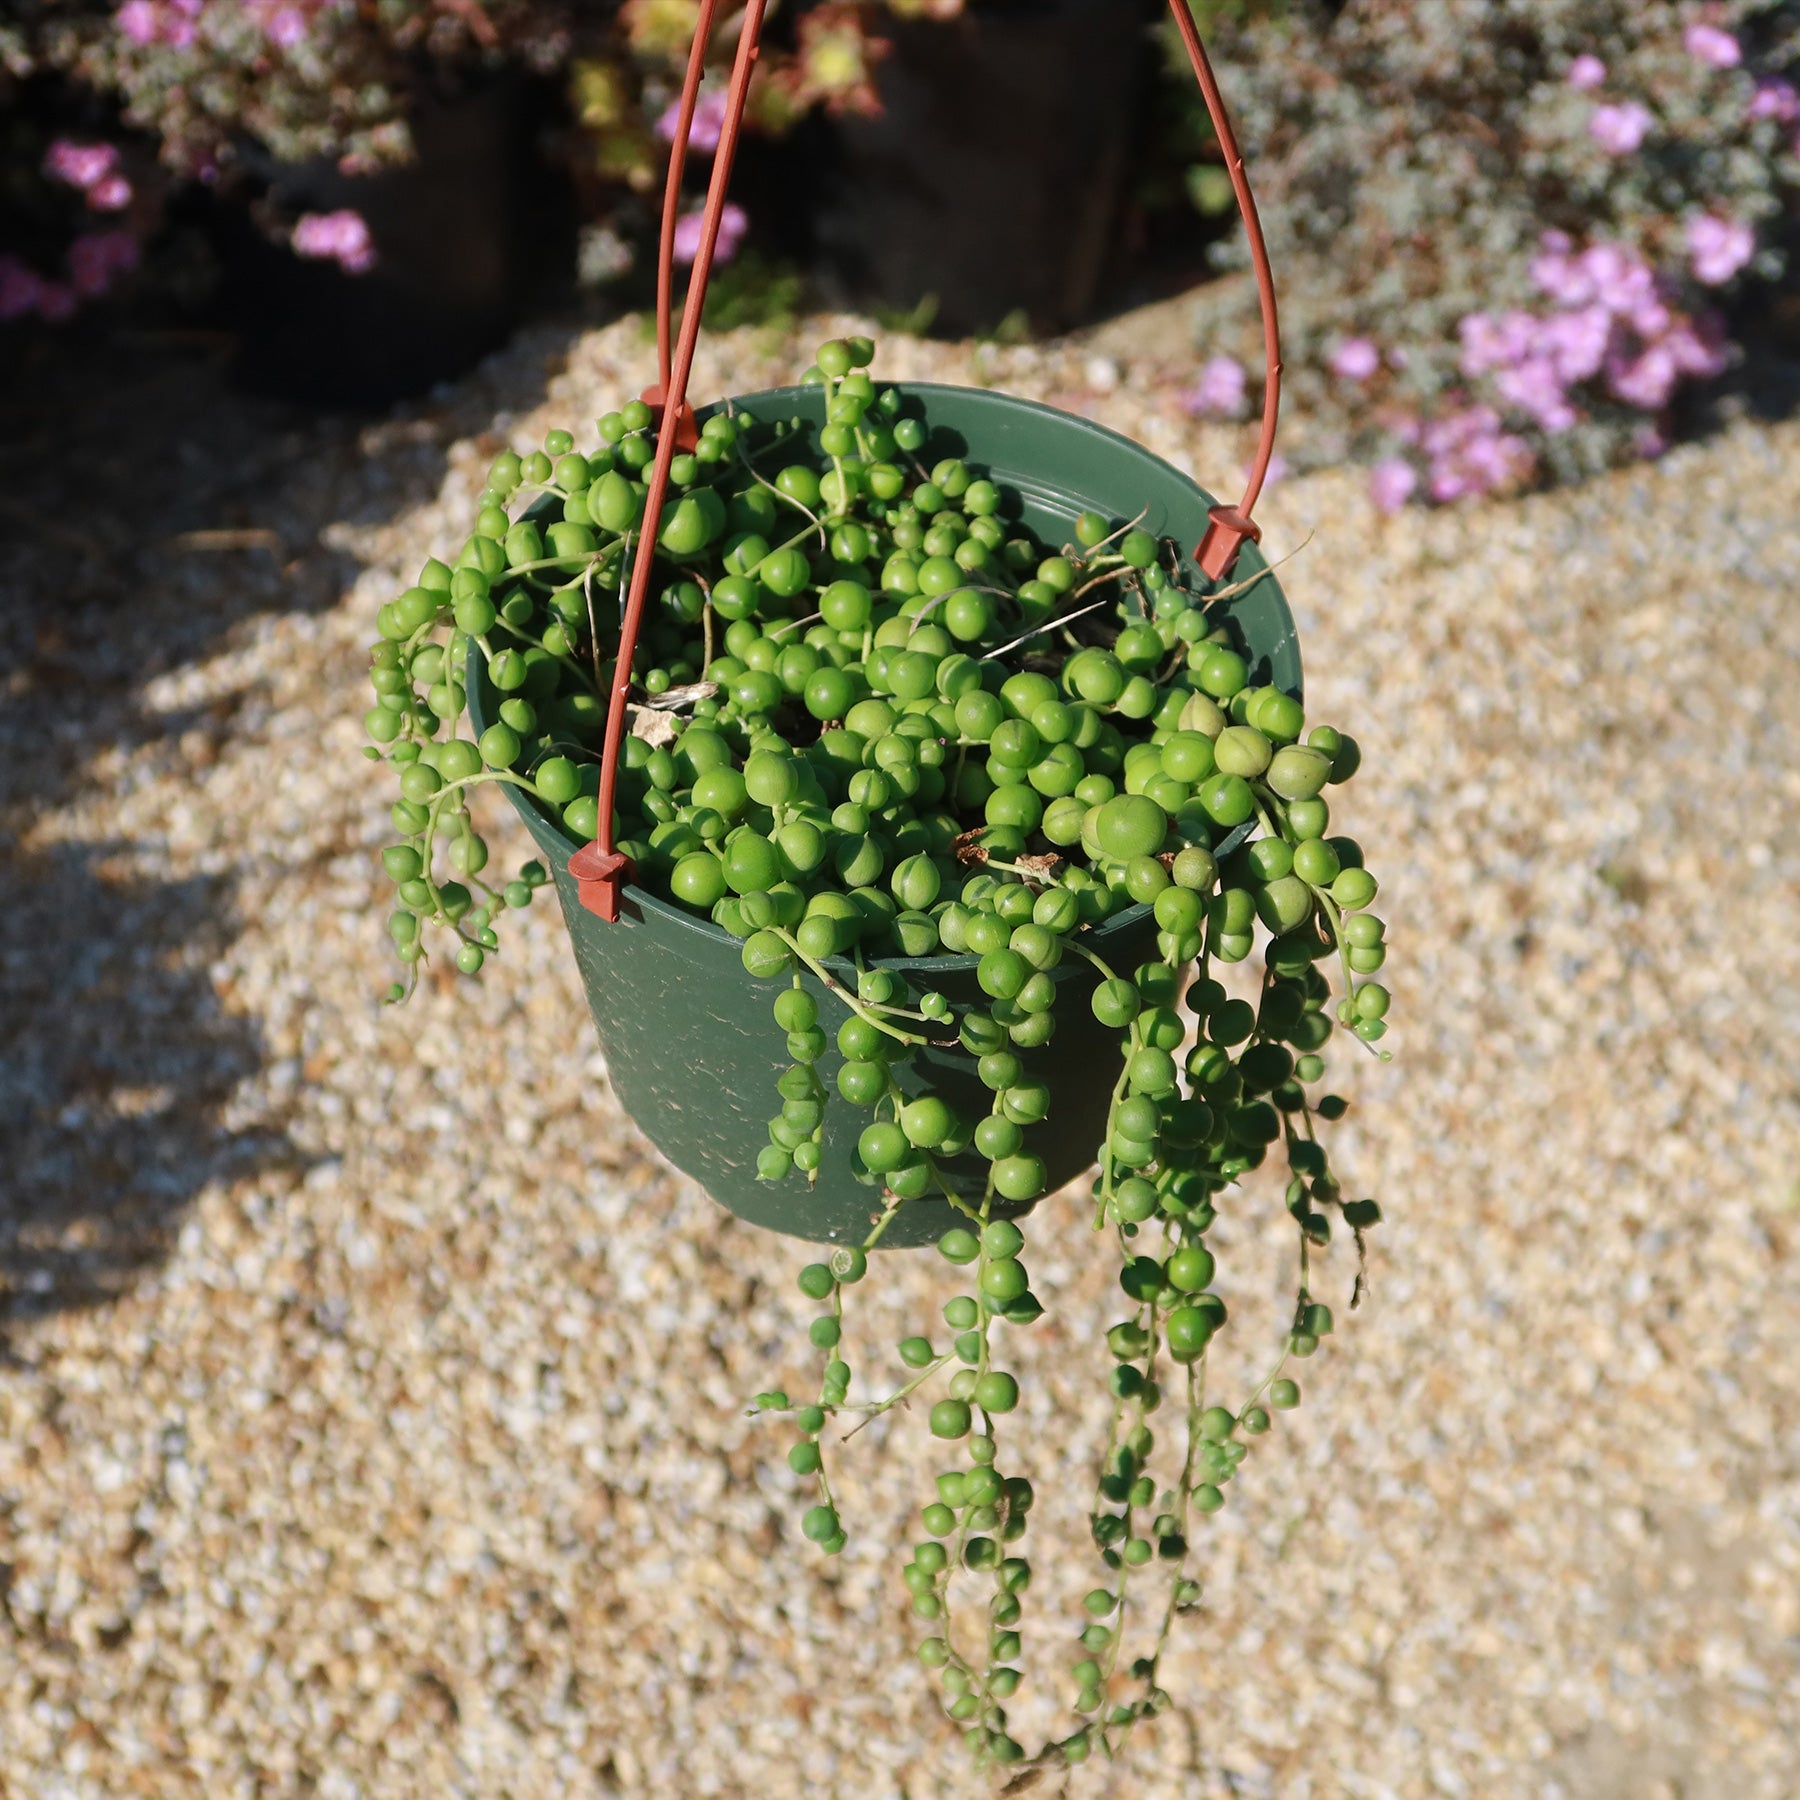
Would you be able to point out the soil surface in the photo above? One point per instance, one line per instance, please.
(372, 1399)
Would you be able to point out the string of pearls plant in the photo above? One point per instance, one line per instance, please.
(876, 718)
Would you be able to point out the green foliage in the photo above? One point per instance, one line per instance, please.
(879, 719)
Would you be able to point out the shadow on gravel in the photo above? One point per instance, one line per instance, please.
(119, 1067)
(146, 512)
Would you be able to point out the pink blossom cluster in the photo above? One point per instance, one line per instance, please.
(176, 22)
(707, 125)
(286, 27)
(170, 22)
(1712, 45)
(1611, 319)
(1777, 99)
(734, 222)
(94, 169)
(1221, 390)
(1611, 326)
(342, 237)
(1355, 359)
(1719, 248)
(96, 260)
(286, 23)
(1392, 482)
(1466, 451)
(1620, 127)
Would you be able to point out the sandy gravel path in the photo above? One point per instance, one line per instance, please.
(371, 1402)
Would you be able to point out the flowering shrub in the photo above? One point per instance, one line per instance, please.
(332, 78)
(1503, 228)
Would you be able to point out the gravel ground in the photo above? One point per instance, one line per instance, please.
(371, 1399)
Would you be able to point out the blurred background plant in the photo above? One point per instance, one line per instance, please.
(1512, 236)
(117, 113)
(1510, 233)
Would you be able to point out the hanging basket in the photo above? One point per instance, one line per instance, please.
(684, 1028)
(990, 1076)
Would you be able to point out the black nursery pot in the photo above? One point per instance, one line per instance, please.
(690, 1042)
(990, 181)
(467, 235)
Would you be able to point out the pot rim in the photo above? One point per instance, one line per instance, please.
(635, 894)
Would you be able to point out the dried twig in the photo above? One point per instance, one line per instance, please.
(1239, 587)
(1039, 630)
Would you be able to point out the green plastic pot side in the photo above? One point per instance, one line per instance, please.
(690, 1042)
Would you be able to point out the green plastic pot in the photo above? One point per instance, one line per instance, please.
(691, 1047)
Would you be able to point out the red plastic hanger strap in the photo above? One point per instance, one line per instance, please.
(600, 869)
(1232, 527)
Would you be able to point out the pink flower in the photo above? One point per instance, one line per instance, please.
(80, 165)
(286, 29)
(1775, 99)
(1575, 342)
(1646, 380)
(97, 259)
(1609, 274)
(1392, 483)
(56, 302)
(1534, 387)
(1708, 44)
(1471, 454)
(1491, 342)
(1649, 320)
(734, 222)
(1649, 442)
(1613, 319)
(707, 125)
(1616, 276)
(342, 236)
(1553, 269)
(138, 20)
(20, 287)
(1649, 379)
(1620, 129)
(1221, 390)
(1719, 247)
(1355, 359)
(1586, 73)
(111, 195)
(1697, 349)
(1491, 460)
